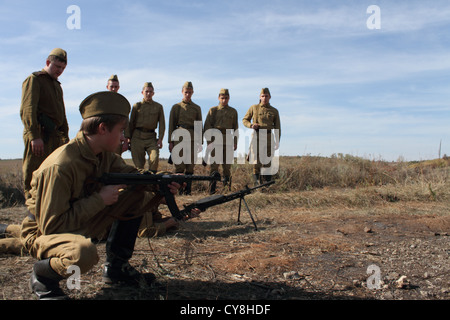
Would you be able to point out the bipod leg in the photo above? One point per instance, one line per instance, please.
(239, 213)
(249, 212)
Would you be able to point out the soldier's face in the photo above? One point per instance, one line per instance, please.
(148, 94)
(187, 94)
(115, 137)
(264, 98)
(55, 68)
(113, 86)
(224, 99)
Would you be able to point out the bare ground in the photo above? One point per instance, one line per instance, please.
(298, 253)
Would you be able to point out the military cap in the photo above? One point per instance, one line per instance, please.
(148, 85)
(224, 92)
(188, 85)
(265, 91)
(105, 102)
(60, 53)
(114, 77)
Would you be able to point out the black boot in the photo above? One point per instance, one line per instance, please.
(187, 190)
(3, 230)
(256, 178)
(117, 271)
(119, 249)
(212, 187)
(227, 183)
(44, 282)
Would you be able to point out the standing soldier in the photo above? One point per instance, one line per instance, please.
(145, 117)
(222, 117)
(184, 115)
(43, 114)
(262, 116)
(113, 83)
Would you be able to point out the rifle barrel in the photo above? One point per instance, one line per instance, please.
(263, 185)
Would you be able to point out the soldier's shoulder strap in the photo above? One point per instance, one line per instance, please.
(39, 73)
(213, 115)
(138, 105)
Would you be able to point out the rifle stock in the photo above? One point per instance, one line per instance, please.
(162, 180)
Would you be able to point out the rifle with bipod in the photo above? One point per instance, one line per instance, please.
(215, 200)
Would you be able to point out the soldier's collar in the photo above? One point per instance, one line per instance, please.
(85, 149)
(45, 73)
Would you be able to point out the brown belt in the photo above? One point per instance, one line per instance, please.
(145, 130)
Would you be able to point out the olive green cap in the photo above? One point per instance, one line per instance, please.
(224, 92)
(60, 53)
(188, 85)
(148, 85)
(114, 77)
(265, 91)
(105, 102)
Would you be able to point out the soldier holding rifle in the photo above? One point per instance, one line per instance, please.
(59, 227)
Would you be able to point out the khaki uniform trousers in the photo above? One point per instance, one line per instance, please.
(226, 160)
(32, 162)
(261, 149)
(11, 244)
(143, 143)
(187, 166)
(77, 248)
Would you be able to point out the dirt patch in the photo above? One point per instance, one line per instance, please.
(297, 253)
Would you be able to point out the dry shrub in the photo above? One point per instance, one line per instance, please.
(342, 180)
(11, 185)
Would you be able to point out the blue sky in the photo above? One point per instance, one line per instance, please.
(339, 86)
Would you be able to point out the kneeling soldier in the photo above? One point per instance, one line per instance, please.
(65, 212)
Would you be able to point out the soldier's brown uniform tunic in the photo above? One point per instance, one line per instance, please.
(223, 118)
(43, 115)
(64, 214)
(183, 115)
(144, 120)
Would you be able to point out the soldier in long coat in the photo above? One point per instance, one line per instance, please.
(43, 114)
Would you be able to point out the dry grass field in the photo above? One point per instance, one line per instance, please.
(321, 228)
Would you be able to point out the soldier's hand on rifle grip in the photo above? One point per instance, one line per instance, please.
(110, 193)
(173, 187)
(194, 213)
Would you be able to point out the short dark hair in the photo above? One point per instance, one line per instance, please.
(90, 125)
